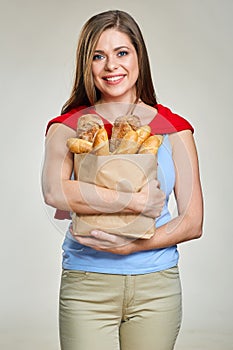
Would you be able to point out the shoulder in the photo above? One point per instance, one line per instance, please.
(168, 122)
(70, 118)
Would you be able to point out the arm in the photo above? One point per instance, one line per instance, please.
(188, 224)
(63, 193)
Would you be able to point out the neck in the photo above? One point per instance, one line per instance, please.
(111, 110)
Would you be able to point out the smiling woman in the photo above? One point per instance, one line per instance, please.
(117, 293)
(128, 33)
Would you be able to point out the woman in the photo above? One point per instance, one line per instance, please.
(118, 293)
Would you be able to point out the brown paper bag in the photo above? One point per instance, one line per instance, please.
(125, 173)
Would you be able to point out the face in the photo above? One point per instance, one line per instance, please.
(115, 67)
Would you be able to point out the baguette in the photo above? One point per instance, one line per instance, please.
(143, 133)
(121, 126)
(119, 130)
(88, 125)
(128, 143)
(151, 144)
(101, 144)
(76, 145)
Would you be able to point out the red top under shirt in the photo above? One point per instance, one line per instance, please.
(165, 121)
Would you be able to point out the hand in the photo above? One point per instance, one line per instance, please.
(103, 241)
(151, 199)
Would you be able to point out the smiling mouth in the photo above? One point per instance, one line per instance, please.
(114, 79)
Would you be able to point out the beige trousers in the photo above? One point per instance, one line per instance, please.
(119, 312)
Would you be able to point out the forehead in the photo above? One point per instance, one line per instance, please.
(111, 38)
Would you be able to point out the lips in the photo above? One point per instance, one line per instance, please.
(114, 78)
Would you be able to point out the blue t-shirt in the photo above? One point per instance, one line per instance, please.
(80, 257)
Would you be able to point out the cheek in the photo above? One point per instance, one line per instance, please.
(96, 79)
(136, 71)
(133, 67)
(96, 69)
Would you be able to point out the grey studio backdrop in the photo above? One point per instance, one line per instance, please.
(190, 48)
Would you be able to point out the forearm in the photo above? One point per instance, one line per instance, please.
(180, 229)
(85, 198)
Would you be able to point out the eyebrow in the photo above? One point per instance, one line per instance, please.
(115, 49)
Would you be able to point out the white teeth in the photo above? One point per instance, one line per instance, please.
(114, 78)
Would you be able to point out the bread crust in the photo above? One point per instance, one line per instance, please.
(151, 144)
(143, 133)
(76, 145)
(121, 127)
(128, 144)
(88, 125)
(101, 143)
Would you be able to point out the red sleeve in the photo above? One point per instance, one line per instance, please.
(69, 119)
(167, 122)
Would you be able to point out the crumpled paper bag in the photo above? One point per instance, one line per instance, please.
(125, 173)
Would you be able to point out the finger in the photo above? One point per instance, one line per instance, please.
(103, 236)
(86, 240)
(93, 242)
(113, 240)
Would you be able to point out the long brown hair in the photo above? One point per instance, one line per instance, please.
(84, 91)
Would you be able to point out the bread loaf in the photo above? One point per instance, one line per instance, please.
(134, 121)
(128, 137)
(121, 127)
(76, 145)
(151, 144)
(143, 133)
(101, 143)
(88, 125)
(119, 130)
(128, 144)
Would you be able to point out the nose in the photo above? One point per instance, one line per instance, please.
(111, 63)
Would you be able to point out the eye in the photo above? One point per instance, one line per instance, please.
(98, 57)
(122, 53)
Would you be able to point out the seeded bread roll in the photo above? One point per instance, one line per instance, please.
(88, 125)
(76, 145)
(119, 130)
(133, 121)
(101, 144)
(128, 144)
(121, 127)
(151, 144)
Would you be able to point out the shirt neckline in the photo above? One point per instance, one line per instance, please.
(105, 121)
